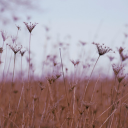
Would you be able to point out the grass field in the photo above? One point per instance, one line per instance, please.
(59, 100)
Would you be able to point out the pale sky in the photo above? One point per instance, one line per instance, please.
(101, 21)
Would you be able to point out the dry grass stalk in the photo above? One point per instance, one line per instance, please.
(52, 100)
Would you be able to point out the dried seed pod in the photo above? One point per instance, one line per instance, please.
(15, 48)
(42, 87)
(53, 78)
(22, 51)
(120, 77)
(30, 27)
(117, 69)
(14, 38)
(83, 43)
(75, 62)
(1, 50)
(102, 49)
(86, 104)
(18, 27)
(123, 57)
(80, 111)
(4, 35)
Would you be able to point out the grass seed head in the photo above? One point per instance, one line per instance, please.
(31, 26)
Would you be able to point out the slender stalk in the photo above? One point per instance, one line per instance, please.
(22, 92)
(89, 79)
(74, 100)
(5, 63)
(94, 88)
(1, 53)
(125, 120)
(52, 100)
(8, 69)
(4, 69)
(112, 96)
(120, 107)
(42, 115)
(93, 93)
(32, 122)
(13, 69)
(11, 87)
(111, 121)
(29, 62)
(117, 92)
(23, 95)
(111, 106)
(108, 118)
(64, 79)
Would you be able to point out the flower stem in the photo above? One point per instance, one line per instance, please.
(13, 68)
(64, 79)
(29, 61)
(89, 79)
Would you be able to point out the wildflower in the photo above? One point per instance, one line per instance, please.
(22, 51)
(75, 63)
(46, 28)
(83, 43)
(126, 35)
(31, 26)
(53, 78)
(42, 87)
(4, 35)
(18, 27)
(86, 65)
(58, 76)
(102, 49)
(1, 50)
(15, 48)
(60, 44)
(116, 68)
(123, 57)
(14, 38)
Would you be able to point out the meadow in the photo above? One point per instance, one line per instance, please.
(58, 100)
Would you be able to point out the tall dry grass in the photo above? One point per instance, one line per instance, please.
(59, 100)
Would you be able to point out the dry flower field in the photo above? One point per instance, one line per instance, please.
(59, 100)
